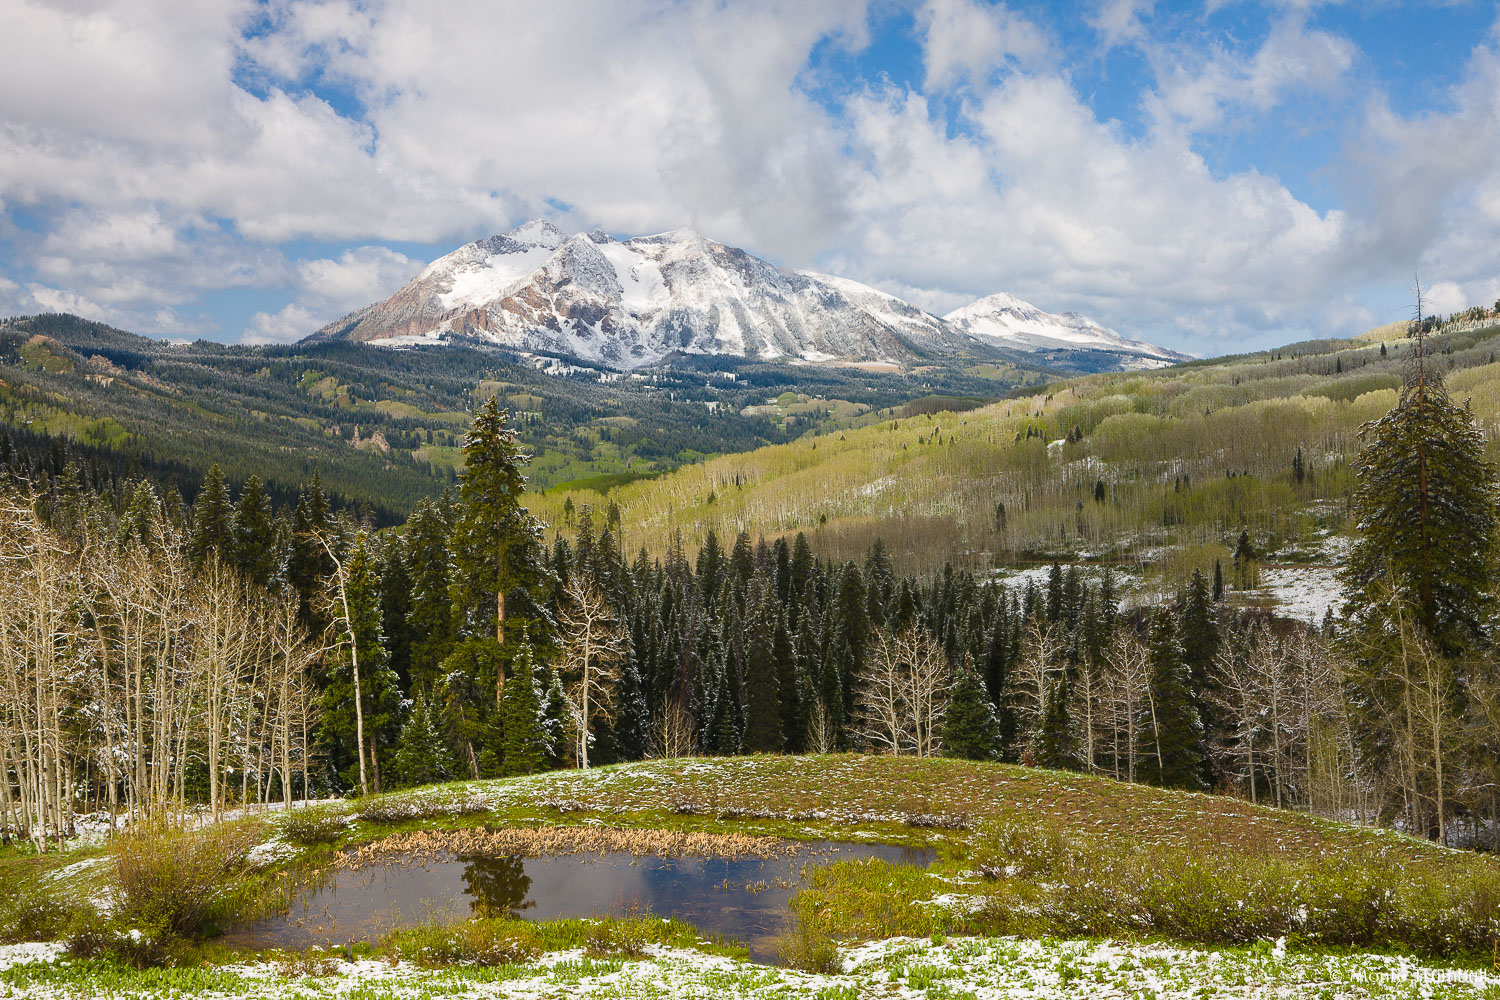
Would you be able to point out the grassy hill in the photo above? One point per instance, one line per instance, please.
(1161, 468)
(1036, 872)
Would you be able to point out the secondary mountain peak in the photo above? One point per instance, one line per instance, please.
(1003, 318)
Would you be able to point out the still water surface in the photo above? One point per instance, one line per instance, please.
(744, 899)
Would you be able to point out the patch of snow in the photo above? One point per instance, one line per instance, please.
(1305, 593)
(30, 952)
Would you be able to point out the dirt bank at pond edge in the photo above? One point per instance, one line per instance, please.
(554, 840)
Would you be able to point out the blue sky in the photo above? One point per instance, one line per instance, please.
(1209, 177)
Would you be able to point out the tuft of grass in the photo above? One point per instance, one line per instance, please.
(403, 809)
(177, 882)
(315, 825)
(810, 946)
(626, 936)
(490, 941)
(33, 914)
(866, 899)
(484, 942)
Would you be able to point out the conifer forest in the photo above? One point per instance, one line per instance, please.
(161, 657)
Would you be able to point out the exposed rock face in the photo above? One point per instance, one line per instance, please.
(636, 302)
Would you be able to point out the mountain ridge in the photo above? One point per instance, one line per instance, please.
(640, 301)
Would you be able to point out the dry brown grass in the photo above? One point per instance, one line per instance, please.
(522, 842)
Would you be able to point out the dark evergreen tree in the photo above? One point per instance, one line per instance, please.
(970, 729)
(496, 541)
(253, 548)
(763, 732)
(1425, 506)
(466, 697)
(212, 517)
(1054, 743)
(1054, 608)
(524, 744)
(308, 564)
(1244, 561)
(1171, 751)
(711, 568)
(430, 619)
(420, 756)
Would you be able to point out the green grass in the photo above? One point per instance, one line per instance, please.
(1018, 851)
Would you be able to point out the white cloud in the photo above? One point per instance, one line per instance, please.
(1047, 202)
(969, 39)
(1119, 21)
(329, 288)
(174, 151)
(1196, 89)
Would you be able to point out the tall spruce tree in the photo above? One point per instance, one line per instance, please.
(252, 534)
(495, 539)
(1425, 506)
(1171, 751)
(763, 731)
(1054, 743)
(212, 516)
(420, 757)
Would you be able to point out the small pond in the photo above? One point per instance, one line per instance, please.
(743, 899)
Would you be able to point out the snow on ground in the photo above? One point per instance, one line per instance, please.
(1302, 592)
(988, 968)
(29, 952)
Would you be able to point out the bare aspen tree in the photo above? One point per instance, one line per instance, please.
(902, 692)
(929, 680)
(1042, 648)
(1087, 696)
(340, 587)
(822, 730)
(880, 709)
(672, 732)
(1238, 700)
(1128, 680)
(593, 646)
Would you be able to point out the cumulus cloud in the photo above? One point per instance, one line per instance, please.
(1119, 21)
(970, 39)
(1199, 88)
(1043, 199)
(328, 288)
(186, 146)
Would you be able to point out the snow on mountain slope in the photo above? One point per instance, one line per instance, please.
(633, 303)
(1004, 319)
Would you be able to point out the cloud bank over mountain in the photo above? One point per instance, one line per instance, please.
(1199, 180)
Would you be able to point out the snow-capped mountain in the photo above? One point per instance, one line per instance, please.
(635, 302)
(1004, 319)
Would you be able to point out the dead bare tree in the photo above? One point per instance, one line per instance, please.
(593, 646)
(902, 693)
(345, 621)
(1126, 683)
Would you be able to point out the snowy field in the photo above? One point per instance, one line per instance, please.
(979, 968)
(1305, 593)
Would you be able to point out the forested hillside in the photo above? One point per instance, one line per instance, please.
(303, 653)
(1159, 471)
(383, 427)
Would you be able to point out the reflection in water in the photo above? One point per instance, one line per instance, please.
(498, 886)
(744, 899)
